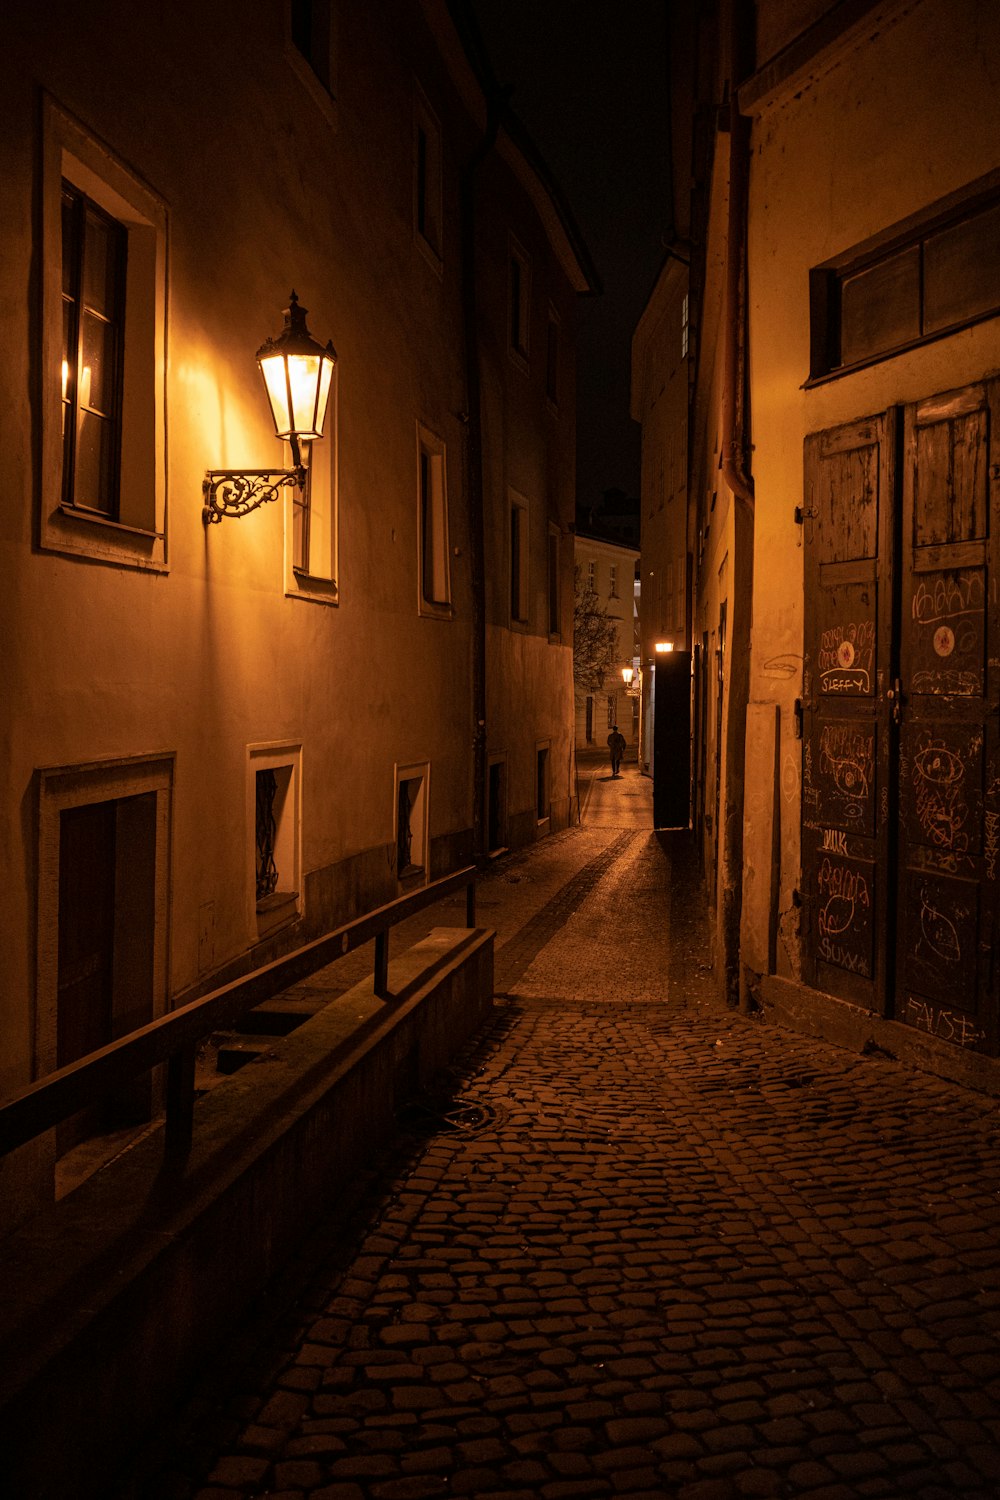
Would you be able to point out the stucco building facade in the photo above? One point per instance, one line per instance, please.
(844, 199)
(223, 739)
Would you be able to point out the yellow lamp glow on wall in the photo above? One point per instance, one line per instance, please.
(664, 646)
(298, 374)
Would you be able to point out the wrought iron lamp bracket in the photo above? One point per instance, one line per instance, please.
(230, 492)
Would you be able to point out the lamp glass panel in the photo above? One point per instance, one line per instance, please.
(325, 377)
(303, 380)
(273, 371)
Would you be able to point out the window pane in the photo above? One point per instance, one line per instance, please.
(880, 307)
(97, 379)
(962, 271)
(92, 487)
(100, 265)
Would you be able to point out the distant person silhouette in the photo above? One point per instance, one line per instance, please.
(616, 744)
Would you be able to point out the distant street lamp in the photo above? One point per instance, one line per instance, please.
(298, 373)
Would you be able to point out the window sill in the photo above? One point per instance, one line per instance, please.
(98, 518)
(429, 611)
(276, 910)
(313, 588)
(74, 532)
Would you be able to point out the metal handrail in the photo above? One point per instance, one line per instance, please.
(173, 1038)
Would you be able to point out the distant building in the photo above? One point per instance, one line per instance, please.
(610, 570)
(224, 739)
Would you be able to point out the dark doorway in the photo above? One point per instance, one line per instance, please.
(105, 949)
(672, 740)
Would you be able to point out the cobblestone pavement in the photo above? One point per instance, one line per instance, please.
(643, 1247)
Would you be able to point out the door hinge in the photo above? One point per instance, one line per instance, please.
(797, 714)
(805, 513)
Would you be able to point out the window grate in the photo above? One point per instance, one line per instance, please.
(267, 870)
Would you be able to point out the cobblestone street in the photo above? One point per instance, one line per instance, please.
(639, 1246)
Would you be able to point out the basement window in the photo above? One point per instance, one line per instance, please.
(925, 277)
(274, 783)
(411, 824)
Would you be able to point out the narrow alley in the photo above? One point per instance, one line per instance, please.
(635, 1245)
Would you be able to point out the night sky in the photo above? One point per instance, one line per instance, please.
(590, 84)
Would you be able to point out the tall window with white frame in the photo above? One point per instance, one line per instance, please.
(311, 516)
(432, 532)
(613, 580)
(94, 253)
(103, 327)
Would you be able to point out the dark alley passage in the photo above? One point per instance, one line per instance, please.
(636, 1245)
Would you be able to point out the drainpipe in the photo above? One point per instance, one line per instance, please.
(734, 469)
(475, 483)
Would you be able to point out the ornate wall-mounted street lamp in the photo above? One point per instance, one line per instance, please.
(627, 675)
(297, 373)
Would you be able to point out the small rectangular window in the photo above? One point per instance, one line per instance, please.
(411, 823)
(542, 797)
(94, 247)
(592, 575)
(274, 809)
(962, 271)
(932, 274)
(433, 560)
(518, 560)
(880, 306)
(613, 580)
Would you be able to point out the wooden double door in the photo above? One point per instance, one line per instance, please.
(901, 684)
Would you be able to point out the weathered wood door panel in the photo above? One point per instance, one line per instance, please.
(847, 524)
(901, 752)
(947, 710)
